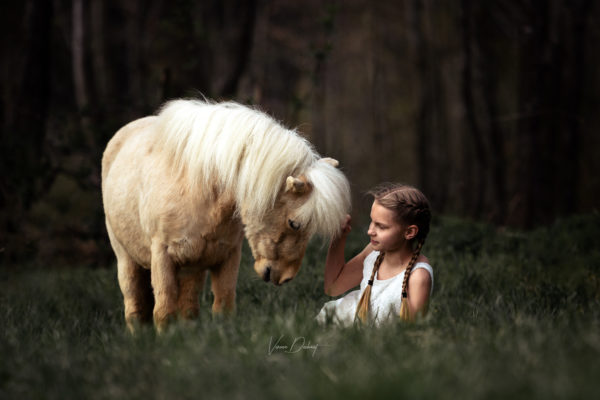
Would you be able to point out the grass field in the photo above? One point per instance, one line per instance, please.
(513, 315)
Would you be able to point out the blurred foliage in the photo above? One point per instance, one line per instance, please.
(66, 227)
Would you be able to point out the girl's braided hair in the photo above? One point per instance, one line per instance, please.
(410, 207)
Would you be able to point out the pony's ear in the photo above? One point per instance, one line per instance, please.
(331, 161)
(295, 185)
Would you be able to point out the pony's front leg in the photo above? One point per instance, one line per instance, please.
(223, 282)
(191, 282)
(164, 283)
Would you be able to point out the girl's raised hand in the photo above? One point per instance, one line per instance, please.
(346, 226)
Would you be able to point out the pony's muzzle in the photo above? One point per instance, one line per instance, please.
(267, 274)
(279, 280)
(271, 271)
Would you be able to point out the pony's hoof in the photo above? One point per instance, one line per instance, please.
(163, 322)
(190, 313)
(135, 322)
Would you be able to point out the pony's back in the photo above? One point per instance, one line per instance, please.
(118, 140)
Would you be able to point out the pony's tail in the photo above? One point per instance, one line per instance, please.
(362, 310)
(404, 311)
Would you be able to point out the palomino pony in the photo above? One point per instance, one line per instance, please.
(181, 188)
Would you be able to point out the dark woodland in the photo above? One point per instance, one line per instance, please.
(491, 108)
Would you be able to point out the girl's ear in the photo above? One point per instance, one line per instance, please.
(411, 232)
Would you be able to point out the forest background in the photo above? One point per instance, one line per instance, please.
(489, 107)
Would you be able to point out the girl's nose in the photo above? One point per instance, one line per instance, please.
(371, 231)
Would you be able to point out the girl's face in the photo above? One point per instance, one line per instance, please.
(385, 232)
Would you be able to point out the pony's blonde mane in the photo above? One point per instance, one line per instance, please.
(240, 151)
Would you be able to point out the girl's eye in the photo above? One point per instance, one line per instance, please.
(293, 224)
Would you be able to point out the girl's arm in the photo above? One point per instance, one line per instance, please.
(339, 275)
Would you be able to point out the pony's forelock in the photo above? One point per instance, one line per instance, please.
(245, 153)
(329, 202)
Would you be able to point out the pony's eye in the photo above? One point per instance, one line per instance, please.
(293, 224)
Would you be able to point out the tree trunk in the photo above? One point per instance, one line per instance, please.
(79, 76)
(23, 131)
(431, 121)
(99, 65)
(478, 166)
(133, 60)
(241, 54)
(77, 47)
(572, 49)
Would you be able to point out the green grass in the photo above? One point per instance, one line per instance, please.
(513, 315)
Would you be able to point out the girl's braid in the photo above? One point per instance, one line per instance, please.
(404, 310)
(409, 268)
(376, 266)
(362, 310)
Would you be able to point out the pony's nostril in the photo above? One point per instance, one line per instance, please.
(267, 274)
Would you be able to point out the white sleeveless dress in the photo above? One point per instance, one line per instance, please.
(386, 297)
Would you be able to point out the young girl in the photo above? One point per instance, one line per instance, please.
(395, 278)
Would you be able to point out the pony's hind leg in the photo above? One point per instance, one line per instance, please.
(137, 293)
(191, 281)
(134, 282)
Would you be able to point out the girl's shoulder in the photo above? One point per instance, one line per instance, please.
(422, 273)
(371, 258)
(423, 263)
(423, 259)
(370, 262)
